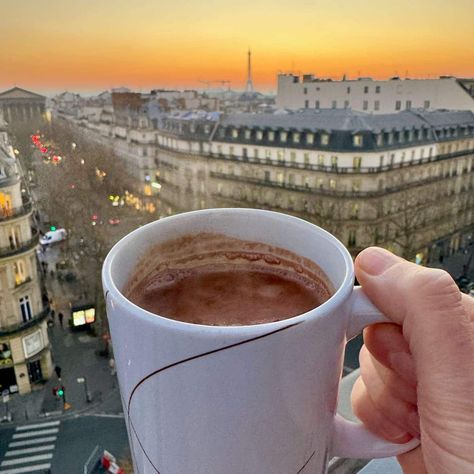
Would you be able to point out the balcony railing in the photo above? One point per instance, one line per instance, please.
(21, 326)
(333, 169)
(10, 250)
(15, 212)
(326, 191)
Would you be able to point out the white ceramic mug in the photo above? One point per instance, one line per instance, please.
(255, 399)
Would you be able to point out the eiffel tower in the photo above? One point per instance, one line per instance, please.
(249, 86)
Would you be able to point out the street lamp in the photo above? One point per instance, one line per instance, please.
(84, 381)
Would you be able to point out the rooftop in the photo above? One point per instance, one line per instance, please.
(349, 120)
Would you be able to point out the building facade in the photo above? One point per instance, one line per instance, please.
(377, 97)
(404, 181)
(20, 105)
(25, 352)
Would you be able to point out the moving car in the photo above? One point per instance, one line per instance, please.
(53, 236)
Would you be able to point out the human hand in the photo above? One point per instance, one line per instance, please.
(417, 375)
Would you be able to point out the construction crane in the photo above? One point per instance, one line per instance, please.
(222, 82)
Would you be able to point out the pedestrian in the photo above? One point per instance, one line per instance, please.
(60, 317)
(57, 369)
(113, 371)
(53, 314)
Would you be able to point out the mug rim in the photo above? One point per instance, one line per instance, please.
(342, 292)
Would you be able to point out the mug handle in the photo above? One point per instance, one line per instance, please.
(354, 440)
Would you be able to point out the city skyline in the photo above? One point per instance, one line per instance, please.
(88, 47)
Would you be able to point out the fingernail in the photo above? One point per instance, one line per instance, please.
(395, 434)
(375, 260)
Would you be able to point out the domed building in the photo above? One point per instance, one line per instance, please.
(25, 352)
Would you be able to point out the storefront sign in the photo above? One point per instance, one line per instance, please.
(83, 315)
(33, 343)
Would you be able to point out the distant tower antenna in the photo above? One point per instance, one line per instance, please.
(249, 86)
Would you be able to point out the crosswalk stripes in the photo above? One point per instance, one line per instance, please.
(31, 449)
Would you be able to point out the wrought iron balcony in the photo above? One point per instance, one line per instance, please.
(21, 247)
(21, 326)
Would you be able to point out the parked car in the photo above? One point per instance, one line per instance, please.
(53, 236)
(114, 221)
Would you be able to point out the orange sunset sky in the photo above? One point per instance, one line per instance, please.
(91, 45)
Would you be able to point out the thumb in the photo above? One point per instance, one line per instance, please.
(426, 303)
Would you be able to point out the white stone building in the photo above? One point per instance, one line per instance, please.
(373, 96)
(25, 352)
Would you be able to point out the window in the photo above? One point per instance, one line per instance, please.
(306, 104)
(267, 176)
(377, 89)
(25, 309)
(235, 133)
(291, 179)
(357, 162)
(365, 105)
(398, 105)
(381, 160)
(422, 153)
(255, 153)
(420, 134)
(379, 139)
(377, 105)
(346, 104)
(348, 90)
(244, 153)
(279, 177)
(366, 89)
(334, 104)
(259, 135)
(334, 161)
(309, 138)
(351, 241)
(248, 134)
(231, 150)
(426, 104)
(357, 140)
(293, 156)
(320, 183)
(321, 160)
(390, 138)
(356, 185)
(268, 154)
(316, 104)
(325, 139)
(280, 155)
(306, 158)
(283, 136)
(19, 271)
(271, 136)
(332, 183)
(355, 211)
(408, 105)
(296, 137)
(305, 90)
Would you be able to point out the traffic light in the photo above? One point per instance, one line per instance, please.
(58, 391)
(52, 228)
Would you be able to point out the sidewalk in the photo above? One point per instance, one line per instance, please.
(79, 355)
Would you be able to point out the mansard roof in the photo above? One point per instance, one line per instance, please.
(349, 120)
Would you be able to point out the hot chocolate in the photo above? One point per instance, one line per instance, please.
(212, 279)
